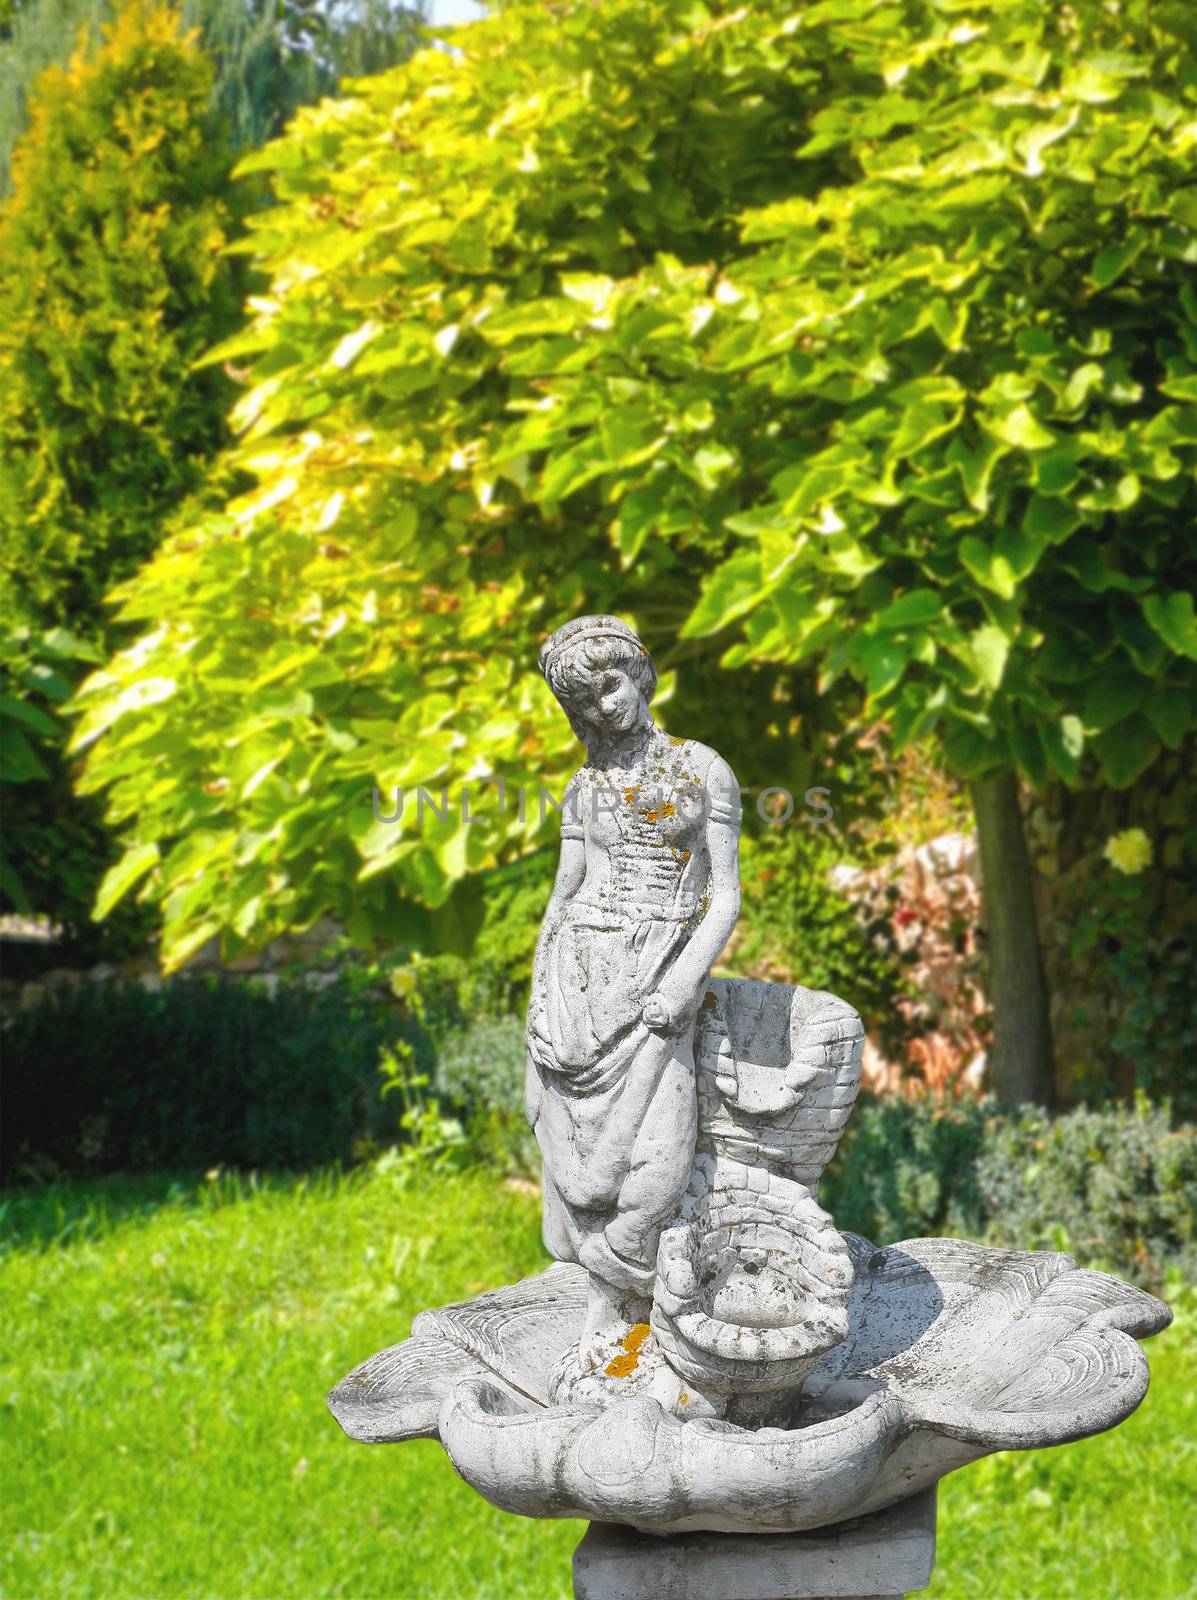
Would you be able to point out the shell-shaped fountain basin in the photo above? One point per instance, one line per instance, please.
(953, 1351)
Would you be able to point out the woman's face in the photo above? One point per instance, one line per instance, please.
(615, 706)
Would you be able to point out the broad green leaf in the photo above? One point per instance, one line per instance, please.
(1174, 619)
(1110, 698)
(643, 511)
(1056, 471)
(121, 877)
(1112, 260)
(916, 714)
(19, 761)
(1126, 751)
(990, 651)
(976, 468)
(1084, 559)
(990, 569)
(1027, 745)
(592, 290)
(884, 660)
(763, 520)
(1019, 549)
(1117, 496)
(971, 754)
(711, 463)
(182, 940)
(1050, 518)
(1021, 428)
(629, 434)
(282, 706)
(534, 318)
(350, 347)
(911, 610)
(733, 588)
(568, 470)
(1170, 712)
(920, 424)
(22, 711)
(138, 696)
(1063, 744)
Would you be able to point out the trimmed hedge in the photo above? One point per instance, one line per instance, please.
(200, 1073)
(1117, 1188)
(208, 1072)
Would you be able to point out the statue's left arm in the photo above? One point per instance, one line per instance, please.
(681, 989)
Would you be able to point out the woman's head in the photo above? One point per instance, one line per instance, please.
(602, 676)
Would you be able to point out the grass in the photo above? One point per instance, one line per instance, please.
(167, 1348)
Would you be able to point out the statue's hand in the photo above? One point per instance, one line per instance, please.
(538, 1046)
(660, 1015)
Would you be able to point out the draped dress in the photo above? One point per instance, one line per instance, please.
(615, 1114)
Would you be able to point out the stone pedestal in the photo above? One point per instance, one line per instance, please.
(886, 1555)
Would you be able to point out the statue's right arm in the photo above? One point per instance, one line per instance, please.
(571, 870)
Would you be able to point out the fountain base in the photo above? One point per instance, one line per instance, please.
(888, 1554)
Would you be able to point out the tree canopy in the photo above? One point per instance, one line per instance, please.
(860, 334)
(269, 55)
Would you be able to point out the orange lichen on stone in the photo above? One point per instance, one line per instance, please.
(673, 739)
(668, 810)
(708, 1000)
(629, 796)
(623, 1366)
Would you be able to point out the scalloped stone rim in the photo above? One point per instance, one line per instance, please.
(954, 1350)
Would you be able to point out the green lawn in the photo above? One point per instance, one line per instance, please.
(167, 1349)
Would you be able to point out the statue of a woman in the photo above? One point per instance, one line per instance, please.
(647, 893)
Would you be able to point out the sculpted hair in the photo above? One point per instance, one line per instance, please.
(572, 673)
(580, 650)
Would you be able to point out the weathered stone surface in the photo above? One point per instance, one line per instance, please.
(890, 1553)
(517, 1333)
(710, 1353)
(953, 1351)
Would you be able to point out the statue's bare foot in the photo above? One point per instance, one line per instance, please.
(606, 1365)
(606, 1362)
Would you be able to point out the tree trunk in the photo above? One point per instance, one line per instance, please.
(1020, 1066)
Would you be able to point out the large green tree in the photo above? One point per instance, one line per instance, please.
(860, 334)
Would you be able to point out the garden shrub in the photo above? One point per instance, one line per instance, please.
(906, 1168)
(1116, 1187)
(481, 1071)
(201, 1072)
(206, 1072)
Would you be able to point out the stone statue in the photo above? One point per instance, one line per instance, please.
(647, 892)
(708, 1352)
